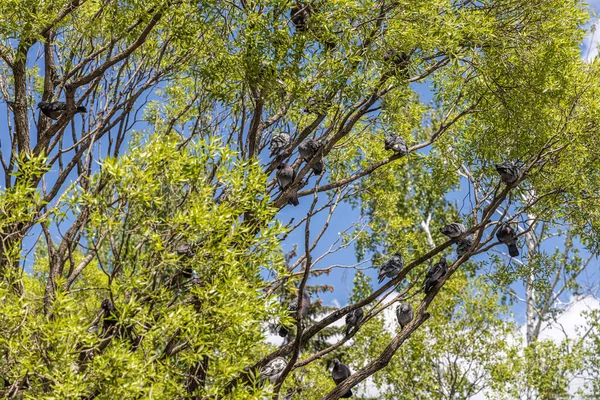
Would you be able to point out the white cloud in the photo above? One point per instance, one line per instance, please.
(590, 43)
(571, 322)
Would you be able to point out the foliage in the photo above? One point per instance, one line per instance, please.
(183, 99)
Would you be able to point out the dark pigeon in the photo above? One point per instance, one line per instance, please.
(109, 315)
(186, 251)
(353, 319)
(404, 314)
(273, 370)
(463, 246)
(435, 273)
(340, 373)
(285, 175)
(299, 16)
(506, 234)
(453, 230)
(293, 308)
(508, 171)
(391, 267)
(396, 143)
(54, 110)
(279, 143)
(308, 149)
(400, 60)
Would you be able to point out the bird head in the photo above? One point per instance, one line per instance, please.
(336, 362)
(81, 109)
(107, 305)
(42, 104)
(281, 166)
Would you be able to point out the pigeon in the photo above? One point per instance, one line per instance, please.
(299, 16)
(340, 373)
(506, 234)
(463, 246)
(54, 110)
(434, 274)
(391, 267)
(399, 59)
(508, 171)
(93, 329)
(293, 308)
(396, 143)
(404, 314)
(273, 370)
(453, 230)
(186, 251)
(308, 149)
(109, 315)
(317, 104)
(353, 319)
(285, 175)
(279, 142)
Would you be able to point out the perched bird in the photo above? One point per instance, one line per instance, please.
(299, 16)
(400, 60)
(109, 315)
(353, 319)
(463, 246)
(404, 314)
(396, 57)
(285, 175)
(391, 267)
(453, 230)
(508, 171)
(317, 104)
(54, 110)
(293, 308)
(279, 142)
(93, 329)
(396, 143)
(435, 273)
(273, 370)
(185, 250)
(340, 373)
(308, 149)
(506, 234)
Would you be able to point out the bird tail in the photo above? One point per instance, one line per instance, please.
(348, 329)
(427, 287)
(318, 168)
(81, 109)
(293, 200)
(513, 250)
(283, 331)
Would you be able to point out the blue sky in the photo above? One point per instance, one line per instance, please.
(342, 219)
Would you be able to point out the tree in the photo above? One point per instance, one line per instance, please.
(208, 85)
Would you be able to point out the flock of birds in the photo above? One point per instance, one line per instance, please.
(509, 172)
(285, 176)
